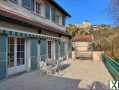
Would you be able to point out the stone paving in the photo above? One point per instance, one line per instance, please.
(93, 74)
(34, 81)
(80, 75)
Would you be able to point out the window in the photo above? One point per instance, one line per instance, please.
(20, 51)
(38, 8)
(14, 1)
(47, 11)
(11, 51)
(28, 4)
(63, 20)
(49, 49)
(53, 14)
(57, 18)
(16, 51)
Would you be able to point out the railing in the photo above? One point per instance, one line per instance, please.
(112, 66)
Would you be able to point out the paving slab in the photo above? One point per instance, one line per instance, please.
(79, 75)
(91, 73)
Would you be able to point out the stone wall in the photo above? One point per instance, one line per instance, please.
(97, 55)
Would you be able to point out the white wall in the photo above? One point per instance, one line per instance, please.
(17, 27)
(28, 14)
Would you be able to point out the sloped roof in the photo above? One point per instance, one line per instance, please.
(83, 38)
(59, 7)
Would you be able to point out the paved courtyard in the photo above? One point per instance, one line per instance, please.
(92, 74)
(80, 75)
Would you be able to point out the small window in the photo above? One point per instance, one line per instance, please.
(53, 15)
(57, 18)
(14, 1)
(28, 4)
(63, 20)
(47, 11)
(38, 8)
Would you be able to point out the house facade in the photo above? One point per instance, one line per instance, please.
(31, 31)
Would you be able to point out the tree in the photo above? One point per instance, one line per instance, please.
(107, 40)
(72, 28)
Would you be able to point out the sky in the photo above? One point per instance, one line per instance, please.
(96, 11)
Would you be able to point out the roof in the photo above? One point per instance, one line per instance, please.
(83, 38)
(59, 7)
(15, 17)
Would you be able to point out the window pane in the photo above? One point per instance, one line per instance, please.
(11, 48)
(38, 7)
(18, 62)
(28, 4)
(47, 11)
(18, 48)
(63, 20)
(22, 61)
(11, 63)
(22, 54)
(11, 52)
(20, 51)
(11, 40)
(22, 47)
(53, 15)
(49, 49)
(18, 40)
(57, 18)
(32, 5)
(22, 40)
(18, 54)
(14, 1)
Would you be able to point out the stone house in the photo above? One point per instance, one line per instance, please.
(31, 31)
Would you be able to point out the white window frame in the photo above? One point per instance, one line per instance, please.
(50, 50)
(15, 2)
(39, 12)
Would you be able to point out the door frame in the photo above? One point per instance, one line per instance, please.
(52, 50)
(17, 69)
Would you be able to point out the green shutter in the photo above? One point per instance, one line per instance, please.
(62, 53)
(47, 11)
(63, 49)
(70, 49)
(60, 49)
(57, 50)
(43, 49)
(3, 56)
(34, 44)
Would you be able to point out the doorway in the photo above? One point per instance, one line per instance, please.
(16, 55)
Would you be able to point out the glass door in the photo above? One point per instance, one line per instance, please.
(20, 51)
(11, 62)
(16, 55)
(49, 49)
